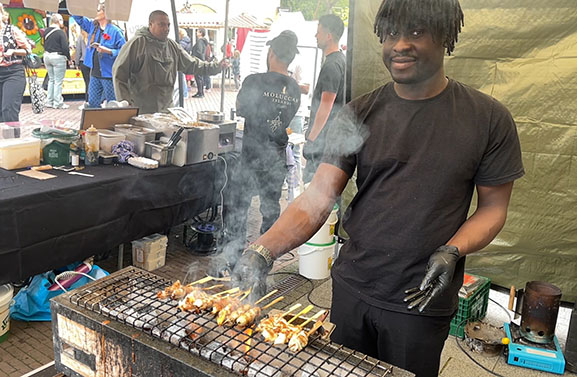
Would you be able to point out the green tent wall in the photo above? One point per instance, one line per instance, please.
(524, 53)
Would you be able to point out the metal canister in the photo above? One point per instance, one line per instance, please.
(540, 308)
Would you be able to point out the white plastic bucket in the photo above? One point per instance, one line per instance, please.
(326, 233)
(6, 292)
(315, 261)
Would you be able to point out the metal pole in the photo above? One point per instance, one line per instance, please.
(223, 78)
(177, 39)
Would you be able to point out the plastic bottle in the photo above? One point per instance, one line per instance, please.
(91, 146)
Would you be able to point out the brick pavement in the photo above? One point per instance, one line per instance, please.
(211, 101)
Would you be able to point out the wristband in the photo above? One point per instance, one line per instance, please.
(263, 252)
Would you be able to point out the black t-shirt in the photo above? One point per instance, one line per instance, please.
(268, 102)
(331, 79)
(56, 42)
(417, 166)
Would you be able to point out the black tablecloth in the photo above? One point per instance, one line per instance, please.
(48, 224)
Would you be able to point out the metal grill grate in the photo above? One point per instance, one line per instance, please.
(129, 297)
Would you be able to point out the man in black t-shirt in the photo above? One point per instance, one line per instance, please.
(268, 102)
(329, 92)
(421, 145)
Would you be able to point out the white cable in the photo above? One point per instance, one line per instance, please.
(68, 275)
(221, 194)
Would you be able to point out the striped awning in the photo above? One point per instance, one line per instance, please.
(195, 20)
(215, 21)
(247, 21)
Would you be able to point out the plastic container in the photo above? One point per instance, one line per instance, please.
(471, 308)
(137, 135)
(109, 138)
(6, 292)
(315, 261)
(19, 153)
(326, 233)
(149, 253)
(91, 146)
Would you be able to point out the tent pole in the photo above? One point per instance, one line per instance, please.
(177, 39)
(223, 74)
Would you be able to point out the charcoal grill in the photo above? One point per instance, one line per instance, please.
(117, 327)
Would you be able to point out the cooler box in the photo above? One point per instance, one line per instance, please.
(149, 253)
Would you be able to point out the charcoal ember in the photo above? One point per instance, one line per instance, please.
(258, 369)
(309, 370)
(145, 319)
(219, 354)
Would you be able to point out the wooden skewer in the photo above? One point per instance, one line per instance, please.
(232, 290)
(291, 309)
(315, 327)
(245, 294)
(302, 312)
(265, 297)
(273, 302)
(226, 278)
(202, 281)
(213, 287)
(312, 318)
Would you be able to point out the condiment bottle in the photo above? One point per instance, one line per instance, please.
(91, 146)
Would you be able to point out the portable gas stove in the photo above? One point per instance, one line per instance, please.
(546, 357)
(116, 326)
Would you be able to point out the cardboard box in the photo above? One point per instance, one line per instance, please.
(149, 253)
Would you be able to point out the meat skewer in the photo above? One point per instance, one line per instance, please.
(298, 340)
(251, 315)
(286, 331)
(177, 291)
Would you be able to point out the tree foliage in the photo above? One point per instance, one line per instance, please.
(313, 9)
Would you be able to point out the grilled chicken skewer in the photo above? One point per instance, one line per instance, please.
(283, 336)
(299, 340)
(251, 315)
(177, 291)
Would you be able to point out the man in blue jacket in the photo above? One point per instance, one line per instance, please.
(104, 43)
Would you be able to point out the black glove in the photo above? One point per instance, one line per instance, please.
(250, 272)
(438, 277)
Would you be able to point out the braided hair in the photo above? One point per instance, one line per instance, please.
(442, 18)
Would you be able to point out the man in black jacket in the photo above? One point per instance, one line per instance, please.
(199, 50)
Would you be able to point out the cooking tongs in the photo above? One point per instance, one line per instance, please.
(175, 138)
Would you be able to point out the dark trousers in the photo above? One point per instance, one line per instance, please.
(86, 76)
(199, 85)
(412, 342)
(247, 182)
(12, 85)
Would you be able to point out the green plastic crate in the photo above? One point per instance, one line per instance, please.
(471, 308)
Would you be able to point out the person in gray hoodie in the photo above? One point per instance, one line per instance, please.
(146, 67)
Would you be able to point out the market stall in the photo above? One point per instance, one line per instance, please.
(48, 224)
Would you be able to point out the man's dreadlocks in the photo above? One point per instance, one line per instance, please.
(442, 18)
